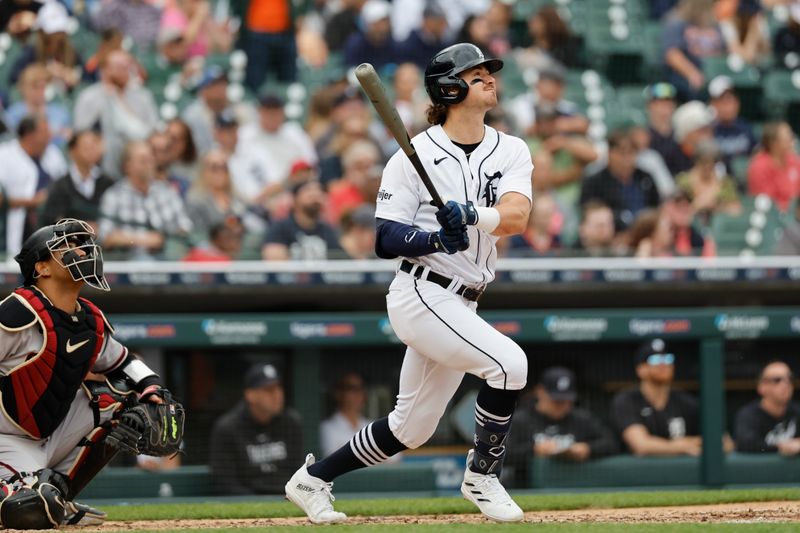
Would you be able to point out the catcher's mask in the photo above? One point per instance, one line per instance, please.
(62, 241)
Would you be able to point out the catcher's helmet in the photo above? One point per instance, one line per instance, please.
(65, 236)
(441, 75)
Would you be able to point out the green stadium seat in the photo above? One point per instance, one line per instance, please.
(732, 233)
(782, 96)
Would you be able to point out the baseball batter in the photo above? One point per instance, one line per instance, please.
(448, 257)
(55, 426)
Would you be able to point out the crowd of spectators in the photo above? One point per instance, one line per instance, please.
(234, 172)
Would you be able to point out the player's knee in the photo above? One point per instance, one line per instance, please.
(37, 506)
(512, 372)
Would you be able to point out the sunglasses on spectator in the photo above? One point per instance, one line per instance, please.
(661, 91)
(661, 359)
(774, 380)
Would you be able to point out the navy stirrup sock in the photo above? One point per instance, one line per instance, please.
(493, 411)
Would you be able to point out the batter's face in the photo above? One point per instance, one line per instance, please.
(482, 88)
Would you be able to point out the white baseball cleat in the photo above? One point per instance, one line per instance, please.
(485, 491)
(313, 495)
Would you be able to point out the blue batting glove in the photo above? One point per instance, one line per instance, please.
(450, 241)
(454, 215)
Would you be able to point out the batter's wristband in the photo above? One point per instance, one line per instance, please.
(488, 219)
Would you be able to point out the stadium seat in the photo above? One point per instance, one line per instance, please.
(746, 79)
(782, 96)
(754, 229)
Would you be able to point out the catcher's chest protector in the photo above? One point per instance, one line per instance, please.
(36, 395)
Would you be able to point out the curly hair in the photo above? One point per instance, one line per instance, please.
(437, 114)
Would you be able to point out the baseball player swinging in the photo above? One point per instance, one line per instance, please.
(448, 257)
(57, 430)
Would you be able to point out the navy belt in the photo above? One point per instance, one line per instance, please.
(466, 292)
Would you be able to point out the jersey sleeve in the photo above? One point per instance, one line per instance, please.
(14, 343)
(111, 355)
(623, 412)
(519, 176)
(398, 197)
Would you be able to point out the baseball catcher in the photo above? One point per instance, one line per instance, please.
(58, 429)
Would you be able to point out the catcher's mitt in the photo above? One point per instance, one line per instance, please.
(149, 428)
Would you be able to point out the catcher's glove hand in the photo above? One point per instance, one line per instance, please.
(150, 428)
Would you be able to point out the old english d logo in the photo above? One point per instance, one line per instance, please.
(490, 190)
(72, 347)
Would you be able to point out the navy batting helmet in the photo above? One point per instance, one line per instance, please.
(441, 75)
(65, 236)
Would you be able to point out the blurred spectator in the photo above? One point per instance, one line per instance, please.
(733, 134)
(650, 235)
(303, 235)
(596, 232)
(183, 151)
(267, 37)
(649, 160)
(124, 110)
(251, 170)
(775, 169)
(255, 447)
(351, 400)
(199, 34)
(707, 186)
(427, 40)
(770, 424)
(548, 94)
(551, 41)
(789, 243)
(161, 144)
(653, 418)
(691, 33)
(687, 240)
(374, 43)
(52, 48)
(498, 15)
(660, 108)
(359, 182)
(212, 198)
(77, 195)
(138, 19)
(350, 120)
(281, 141)
(211, 100)
(476, 30)
(745, 29)
(659, 8)
(30, 163)
(110, 39)
(343, 24)
(410, 99)
(692, 122)
(358, 233)
(139, 213)
(224, 243)
(17, 17)
(623, 187)
(786, 42)
(32, 87)
(539, 237)
(553, 427)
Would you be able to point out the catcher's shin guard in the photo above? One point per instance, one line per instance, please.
(37, 503)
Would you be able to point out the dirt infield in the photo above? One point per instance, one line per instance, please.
(762, 512)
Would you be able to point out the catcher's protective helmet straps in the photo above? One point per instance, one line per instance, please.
(441, 75)
(62, 241)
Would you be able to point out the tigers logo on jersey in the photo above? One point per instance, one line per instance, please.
(490, 190)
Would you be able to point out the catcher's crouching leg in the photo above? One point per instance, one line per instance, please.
(34, 501)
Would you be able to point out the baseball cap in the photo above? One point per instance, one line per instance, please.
(349, 94)
(559, 382)
(433, 11)
(270, 101)
(719, 86)
(690, 117)
(53, 18)
(261, 375)
(211, 75)
(654, 351)
(226, 119)
(660, 91)
(375, 10)
(553, 72)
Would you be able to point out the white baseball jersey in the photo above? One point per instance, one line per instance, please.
(500, 164)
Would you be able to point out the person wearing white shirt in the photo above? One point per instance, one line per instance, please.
(351, 398)
(30, 164)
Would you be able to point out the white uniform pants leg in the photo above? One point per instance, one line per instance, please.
(446, 338)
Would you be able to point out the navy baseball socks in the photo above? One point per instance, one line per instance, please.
(310, 487)
(481, 486)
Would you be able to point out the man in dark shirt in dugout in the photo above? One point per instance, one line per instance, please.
(653, 419)
(770, 424)
(554, 427)
(256, 445)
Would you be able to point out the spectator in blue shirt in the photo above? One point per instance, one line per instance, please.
(423, 43)
(733, 134)
(374, 43)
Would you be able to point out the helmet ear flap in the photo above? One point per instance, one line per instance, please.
(451, 90)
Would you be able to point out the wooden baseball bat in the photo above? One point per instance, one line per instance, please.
(372, 85)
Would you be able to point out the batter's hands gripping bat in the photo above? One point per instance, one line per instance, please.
(372, 85)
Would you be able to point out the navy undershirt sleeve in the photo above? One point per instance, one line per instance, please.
(394, 239)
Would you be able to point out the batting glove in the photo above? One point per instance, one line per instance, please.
(450, 242)
(454, 215)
